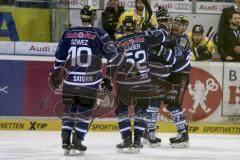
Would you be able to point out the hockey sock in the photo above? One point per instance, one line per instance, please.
(178, 118)
(82, 121)
(123, 121)
(152, 116)
(68, 119)
(140, 121)
(67, 124)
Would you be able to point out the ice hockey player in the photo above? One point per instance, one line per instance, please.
(156, 64)
(79, 54)
(132, 83)
(179, 76)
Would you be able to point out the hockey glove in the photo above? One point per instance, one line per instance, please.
(169, 43)
(157, 50)
(201, 53)
(201, 49)
(106, 85)
(55, 78)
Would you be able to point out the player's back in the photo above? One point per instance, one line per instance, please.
(134, 47)
(85, 38)
(82, 47)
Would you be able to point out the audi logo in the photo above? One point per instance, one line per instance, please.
(183, 6)
(131, 4)
(84, 2)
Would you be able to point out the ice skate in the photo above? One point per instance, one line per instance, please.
(137, 145)
(151, 139)
(66, 143)
(126, 146)
(180, 141)
(77, 148)
(155, 142)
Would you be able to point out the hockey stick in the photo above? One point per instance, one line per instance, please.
(209, 31)
(209, 35)
(46, 100)
(209, 38)
(149, 10)
(51, 92)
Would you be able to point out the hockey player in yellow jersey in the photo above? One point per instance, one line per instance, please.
(140, 18)
(202, 47)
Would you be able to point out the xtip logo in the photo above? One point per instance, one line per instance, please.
(203, 95)
(36, 125)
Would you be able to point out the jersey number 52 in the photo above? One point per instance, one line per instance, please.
(138, 59)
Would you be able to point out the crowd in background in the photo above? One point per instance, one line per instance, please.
(227, 47)
(203, 49)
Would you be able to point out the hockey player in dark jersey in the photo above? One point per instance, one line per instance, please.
(79, 55)
(179, 66)
(159, 68)
(133, 83)
(180, 78)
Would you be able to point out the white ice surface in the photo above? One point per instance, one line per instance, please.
(27, 145)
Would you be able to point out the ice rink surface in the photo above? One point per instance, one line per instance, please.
(36, 145)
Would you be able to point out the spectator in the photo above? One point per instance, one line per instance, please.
(202, 47)
(232, 38)
(138, 15)
(110, 17)
(224, 26)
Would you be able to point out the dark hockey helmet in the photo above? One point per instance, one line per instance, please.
(162, 14)
(129, 24)
(182, 20)
(88, 13)
(198, 28)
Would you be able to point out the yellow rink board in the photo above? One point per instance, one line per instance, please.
(111, 126)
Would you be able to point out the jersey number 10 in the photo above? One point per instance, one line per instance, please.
(76, 56)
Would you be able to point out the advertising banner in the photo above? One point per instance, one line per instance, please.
(128, 4)
(172, 6)
(212, 8)
(11, 88)
(24, 24)
(231, 87)
(80, 3)
(111, 125)
(39, 100)
(35, 48)
(203, 98)
(213, 95)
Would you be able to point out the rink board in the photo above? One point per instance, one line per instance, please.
(111, 126)
(24, 91)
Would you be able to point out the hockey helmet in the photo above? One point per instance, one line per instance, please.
(198, 28)
(162, 14)
(182, 20)
(88, 13)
